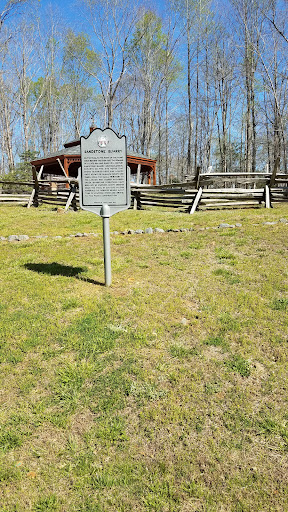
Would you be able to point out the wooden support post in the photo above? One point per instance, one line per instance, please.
(59, 162)
(154, 174)
(69, 200)
(267, 197)
(197, 177)
(138, 174)
(274, 173)
(72, 198)
(36, 202)
(74, 203)
(31, 198)
(136, 200)
(64, 171)
(34, 195)
(196, 201)
(40, 172)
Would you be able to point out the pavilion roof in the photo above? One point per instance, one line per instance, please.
(70, 156)
(74, 149)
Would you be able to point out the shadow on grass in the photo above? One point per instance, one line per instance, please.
(56, 269)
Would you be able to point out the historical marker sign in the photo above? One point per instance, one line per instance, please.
(104, 175)
(104, 181)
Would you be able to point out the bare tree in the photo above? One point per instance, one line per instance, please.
(49, 112)
(25, 64)
(7, 122)
(7, 92)
(112, 23)
(155, 69)
(272, 56)
(9, 8)
(276, 23)
(77, 83)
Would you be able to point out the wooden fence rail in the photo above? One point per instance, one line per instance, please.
(9, 191)
(215, 191)
(204, 192)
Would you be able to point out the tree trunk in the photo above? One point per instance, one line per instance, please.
(189, 142)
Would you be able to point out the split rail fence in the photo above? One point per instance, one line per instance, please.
(204, 192)
(12, 191)
(65, 196)
(215, 191)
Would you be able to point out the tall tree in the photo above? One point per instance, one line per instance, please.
(273, 60)
(78, 63)
(50, 109)
(25, 64)
(250, 21)
(7, 122)
(112, 23)
(196, 19)
(7, 91)
(9, 8)
(154, 66)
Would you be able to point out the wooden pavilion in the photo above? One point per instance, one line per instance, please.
(68, 160)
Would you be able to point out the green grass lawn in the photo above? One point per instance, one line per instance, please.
(166, 392)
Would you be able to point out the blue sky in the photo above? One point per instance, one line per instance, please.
(67, 9)
(70, 12)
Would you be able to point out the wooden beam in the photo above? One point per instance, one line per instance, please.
(35, 190)
(196, 201)
(197, 177)
(273, 175)
(207, 204)
(40, 172)
(138, 174)
(154, 174)
(59, 162)
(234, 174)
(26, 183)
(69, 200)
(267, 197)
(31, 198)
(66, 167)
(230, 206)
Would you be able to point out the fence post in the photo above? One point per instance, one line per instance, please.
(34, 195)
(198, 171)
(31, 198)
(267, 197)
(196, 201)
(72, 197)
(275, 169)
(74, 201)
(138, 174)
(136, 200)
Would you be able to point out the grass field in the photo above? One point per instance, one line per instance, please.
(166, 392)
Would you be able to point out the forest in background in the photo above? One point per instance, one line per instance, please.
(197, 83)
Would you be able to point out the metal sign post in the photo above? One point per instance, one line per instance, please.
(105, 214)
(104, 181)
